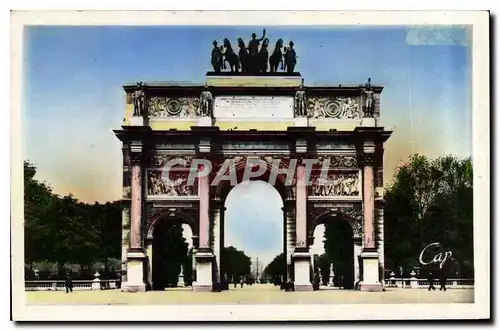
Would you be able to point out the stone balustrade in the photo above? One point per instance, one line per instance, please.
(78, 285)
(424, 283)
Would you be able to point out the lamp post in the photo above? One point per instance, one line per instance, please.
(401, 273)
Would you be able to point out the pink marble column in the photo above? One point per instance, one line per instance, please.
(368, 203)
(203, 193)
(135, 207)
(301, 210)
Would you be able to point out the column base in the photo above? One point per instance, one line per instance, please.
(370, 280)
(132, 288)
(204, 281)
(302, 273)
(299, 288)
(135, 271)
(202, 288)
(377, 287)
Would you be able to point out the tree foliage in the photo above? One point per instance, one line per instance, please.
(430, 201)
(64, 230)
(234, 263)
(276, 268)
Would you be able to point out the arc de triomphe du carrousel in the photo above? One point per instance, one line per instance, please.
(186, 145)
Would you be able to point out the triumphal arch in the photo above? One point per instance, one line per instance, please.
(186, 145)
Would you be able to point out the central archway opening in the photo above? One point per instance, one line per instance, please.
(252, 233)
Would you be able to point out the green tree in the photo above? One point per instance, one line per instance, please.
(234, 263)
(38, 198)
(429, 201)
(108, 221)
(75, 238)
(64, 230)
(276, 268)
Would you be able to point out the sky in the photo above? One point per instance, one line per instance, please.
(73, 98)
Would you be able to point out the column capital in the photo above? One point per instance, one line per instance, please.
(368, 159)
(136, 158)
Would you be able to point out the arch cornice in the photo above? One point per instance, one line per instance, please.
(181, 215)
(238, 165)
(352, 213)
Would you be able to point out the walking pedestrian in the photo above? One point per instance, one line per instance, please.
(68, 282)
(442, 280)
(431, 282)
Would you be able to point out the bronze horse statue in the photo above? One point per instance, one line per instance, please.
(277, 57)
(230, 56)
(243, 55)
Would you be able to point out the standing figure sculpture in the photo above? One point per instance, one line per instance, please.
(216, 57)
(206, 103)
(290, 58)
(300, 103)
(369, 102)
(138, 98)
(253, 52)
(332, 276)
(277, 57)
(230, 56)
(243, 55)
(263, 56)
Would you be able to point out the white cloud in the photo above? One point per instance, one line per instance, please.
(434, 35)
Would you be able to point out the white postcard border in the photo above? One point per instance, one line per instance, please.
(481, 161)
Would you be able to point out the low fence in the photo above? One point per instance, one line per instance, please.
(78, 285)
(424, 283)
(98, 284)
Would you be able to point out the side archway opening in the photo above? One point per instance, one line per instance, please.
(170, 253)
(339, 250)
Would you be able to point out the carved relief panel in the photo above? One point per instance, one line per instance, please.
(335, 176)
(337, 184)
(171, 176)
(173, 107)
(334, 108)
(337, 161)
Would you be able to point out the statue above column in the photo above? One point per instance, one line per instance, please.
(254, 58)
(138, 97)
(301, 101)
(206, 103)
(369, 104)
